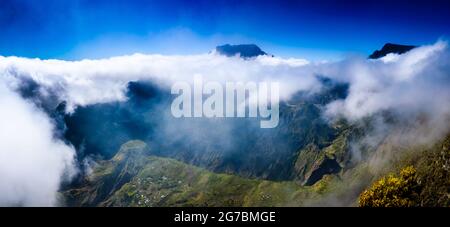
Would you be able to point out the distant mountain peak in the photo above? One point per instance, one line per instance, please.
(243, 50)
(391, 48)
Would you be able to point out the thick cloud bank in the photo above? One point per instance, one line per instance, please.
(97, 81)
(32, 163)
(413, 82)
(414, 86)
(417, 79)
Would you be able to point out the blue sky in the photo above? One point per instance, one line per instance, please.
(320, 29)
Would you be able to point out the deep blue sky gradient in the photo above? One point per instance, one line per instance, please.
(74, 29)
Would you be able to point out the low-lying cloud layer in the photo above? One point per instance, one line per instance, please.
(413, 88)
(403, 81)
(32, 162)
(414, 85)
(97, 81)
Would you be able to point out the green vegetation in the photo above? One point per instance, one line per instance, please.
(134, 178)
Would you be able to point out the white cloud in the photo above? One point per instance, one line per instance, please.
(415, 82)
(95, 81)
(408, 82)
(32, 162)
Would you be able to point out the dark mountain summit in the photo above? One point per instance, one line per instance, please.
(390, 48)
(244, 50)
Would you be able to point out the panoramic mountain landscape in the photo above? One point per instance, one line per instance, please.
(133, 152)
(172, 106)
(307, 160)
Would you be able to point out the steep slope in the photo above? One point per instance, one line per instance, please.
(135, 178)
(238, 146)
(424, 180)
